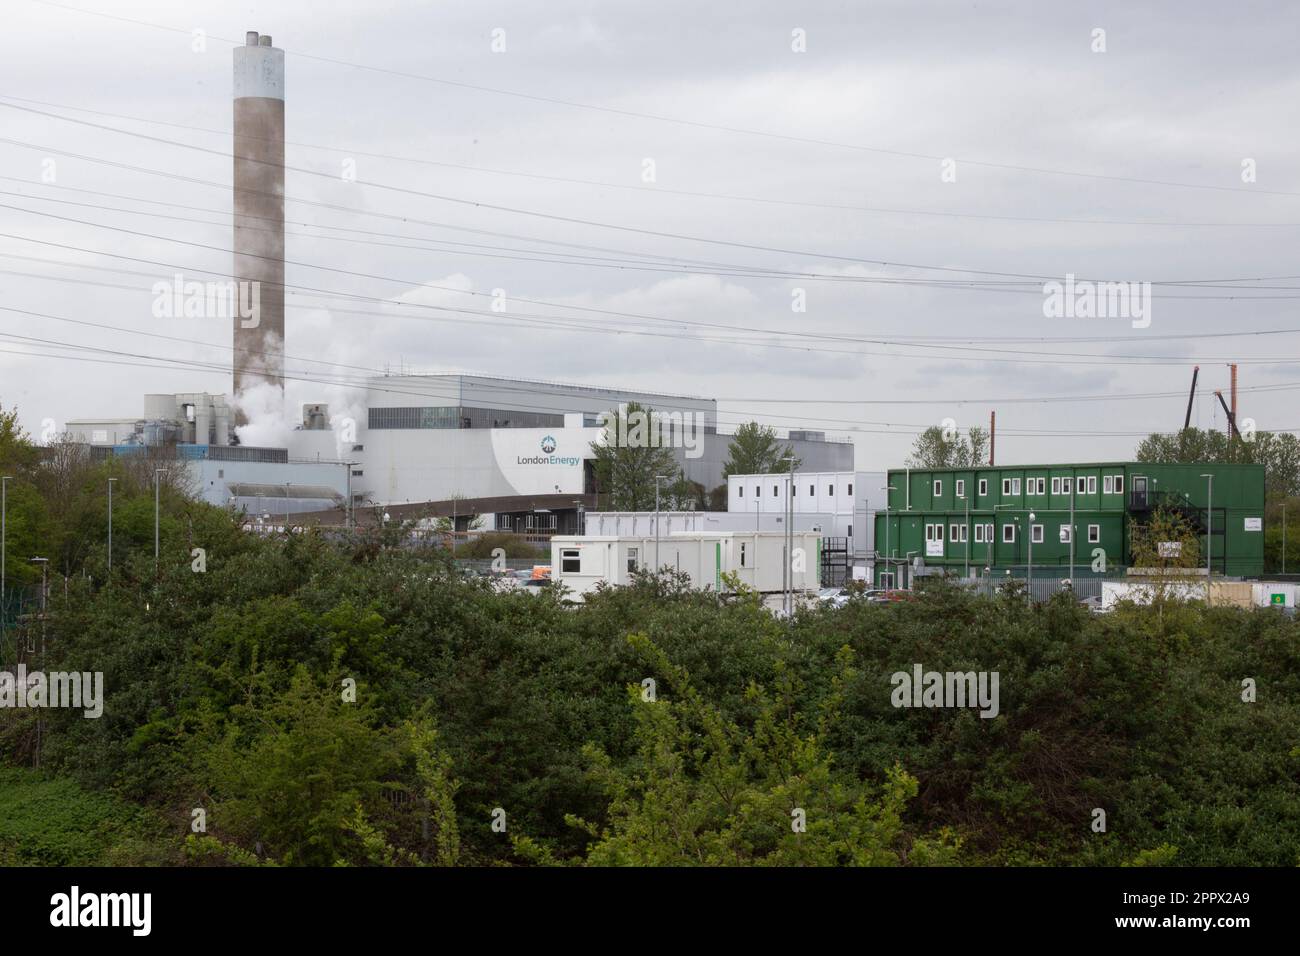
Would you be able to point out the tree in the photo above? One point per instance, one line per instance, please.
(1188, 445)
(708, 790)
(939, 447)
(629, 457)
(1278, 452)
(447, 523)
(29, 527)
(17, 453)
(686, 495)
(755, 450)
(1166, 549)
(717, 498)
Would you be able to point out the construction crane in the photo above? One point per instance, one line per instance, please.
(1232, 419)
(1191, 397)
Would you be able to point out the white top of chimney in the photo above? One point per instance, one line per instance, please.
(259, 68)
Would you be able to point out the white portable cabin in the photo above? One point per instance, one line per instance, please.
(1274, 594)
(580, 562)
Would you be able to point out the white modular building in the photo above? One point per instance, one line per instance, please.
(843, 503)
(674, 522)
(581, 562)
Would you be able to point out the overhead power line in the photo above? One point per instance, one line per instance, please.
(502, 317)
(695, 124)
(660, 190)
(533, 389)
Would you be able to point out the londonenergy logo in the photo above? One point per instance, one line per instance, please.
(547, 458)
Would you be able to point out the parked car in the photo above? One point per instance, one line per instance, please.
(833, 597)
(1093, 604)
(880, 596)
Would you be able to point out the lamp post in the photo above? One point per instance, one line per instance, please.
(110, 526)
(1072, 529)
(789, 535)
(1284, 537)
(966, 532)
(4, 509)
(45, 565)
(996, 508)
(887, 489)
(658, 478)
(157, 487)
(349, 517)
(1209, 532)
(1029, 578)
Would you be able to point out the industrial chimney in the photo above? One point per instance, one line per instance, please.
(259, 223)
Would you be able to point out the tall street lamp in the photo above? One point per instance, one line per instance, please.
(157, 486)
(997, 508)
(790, 461)
(45, 565)
(658, 478)
(110, 526)
(349, 517)
(4, 509)
(1072, 529)
(1029, 580)
(887, 489)
(966, 531)
(1209, 532)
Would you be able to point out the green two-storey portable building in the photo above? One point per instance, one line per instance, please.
(1053, 517)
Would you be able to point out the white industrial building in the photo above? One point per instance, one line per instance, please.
(190, 418)
(517, 454)
(195, 427)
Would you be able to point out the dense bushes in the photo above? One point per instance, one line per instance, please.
(505, 727)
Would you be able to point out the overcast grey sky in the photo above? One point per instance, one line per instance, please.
(1160, 122)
